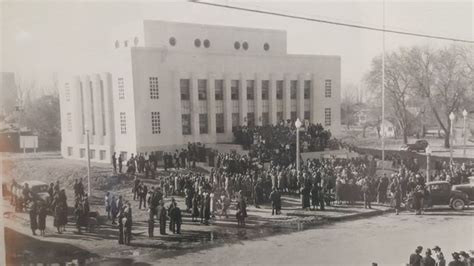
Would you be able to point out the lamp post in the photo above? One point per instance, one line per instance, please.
(88, 163)
(464, 114)
(428, 153)
(298, 126)
(451, 118)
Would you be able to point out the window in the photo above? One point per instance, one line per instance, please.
(237, 45)
(185, 92)
(250, 89)
(203, 128)
(265, 89)
(266, 47)
(250, 119)
(92, 109)
(69, 122)
(67, 92)
(235, 121)
(207, 43)
(279, 89)
(279, 116)
(293, 89)
(186, 124)
(123, 123)
(102, 155)
(202, 89)
(154, 92)
(234, 89)
(327, 116)
(307, 115)
(92, 154)
(121, 89)
(197, 43)
(220, 123)
(102, 107)
(82, 110)
(82, 153)
(307, 89)
(155, 123)
(172, 41)
(69, 151)
(293, 116)
(265, 119)
(245, 45)
(219, 89)
(327, 88)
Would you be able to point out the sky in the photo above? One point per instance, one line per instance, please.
(41, 38)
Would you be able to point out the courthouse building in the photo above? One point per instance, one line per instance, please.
(173, 83)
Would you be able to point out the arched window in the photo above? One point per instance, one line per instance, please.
(197, 43)
(245, 45)
(207, 43)
(172, 41)
(237, 45)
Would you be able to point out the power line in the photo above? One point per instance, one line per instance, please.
(333, 22)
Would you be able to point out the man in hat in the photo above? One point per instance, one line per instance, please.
(465, 259)
(439, 257)
(415, 258)
(428, 260)
(456, 260)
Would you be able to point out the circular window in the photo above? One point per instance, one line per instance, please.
(207, 43)
(245, 45)
(237, 45)
(172, 41)
(197, 43)
(266, 47)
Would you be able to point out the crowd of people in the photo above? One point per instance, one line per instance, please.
(461, 258)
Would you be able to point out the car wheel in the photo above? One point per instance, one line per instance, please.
(457, 204)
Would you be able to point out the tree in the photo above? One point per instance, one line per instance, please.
(443, 77)
(349, 106)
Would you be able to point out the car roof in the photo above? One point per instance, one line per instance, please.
(437, 182)
(33, 183)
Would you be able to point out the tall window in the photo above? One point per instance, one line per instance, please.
(102, 107)
(92, 108)
(234, 89)
(250, 119)
(184, 87)
(82, 152)
(186, 124)
(123, 123)
(69, 122)
(121, 89)
(220, 123)
(327, 88)
(265, 119)
(279, 116)
(92, 154)
(154, 92)
(307, 89)
(67, 92)
(279, 89)
(155, 123)
(203, 126)
(327, 116)
(293, 89)
(83, 121)
(307, 115)
(202, 89)
(250, 89)
(102, 155)
(293, 116)
(235, 121)
(219, 89)
(265, 89)
(69, 151)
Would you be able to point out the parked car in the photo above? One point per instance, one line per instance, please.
(38, 191)
(419, 146)
(442, 193)
(468, 189)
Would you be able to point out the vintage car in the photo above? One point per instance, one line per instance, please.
(419, 146)
(442, 193)
(467, 188)
(38, 191)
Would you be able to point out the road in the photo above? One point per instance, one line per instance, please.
(387, 240)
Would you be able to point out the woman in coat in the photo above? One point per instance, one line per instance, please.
(396, 191)
(34, 217)
(42, 219)
(195, 212)
(305, 198)
(315, 196)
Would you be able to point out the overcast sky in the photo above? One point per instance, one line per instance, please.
(42, 37)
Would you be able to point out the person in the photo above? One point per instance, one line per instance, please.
(120, 163)
(456, 260)
(305, 196)
(142, 196)
(58, 217)
(195, 208)
(366, 192)
(80, 188)
(34, 217)
(114, 209)
(258, 194)
(121, 220)
(241, 213)
(178, 219)
(162, 218)
(315, 196)
(466, 259)
(189, 197)
(114, 162)
(42, 213)
(175, 219)
(172, 215)
(136, 188)
(206, 209)
(108, 203)
(26, 196)
(428, 260)
(127, 224)
(273, 198)
(415, 258)
(322, 195)
(439, 257)
(151, 221)
(396, 191)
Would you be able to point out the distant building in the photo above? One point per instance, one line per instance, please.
(8, 93)
(388, 129)
(174, 83)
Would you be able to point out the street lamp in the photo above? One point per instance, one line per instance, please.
(464, 114)
(451, 118)
(88, 162)
(298, 126)
(428, 153)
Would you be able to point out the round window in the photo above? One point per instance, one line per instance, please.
(197, 43)
(237, 45)
(207, 43)
(266, 47)
(245, 45)
(172, 41)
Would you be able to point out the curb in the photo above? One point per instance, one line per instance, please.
(359, 215)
